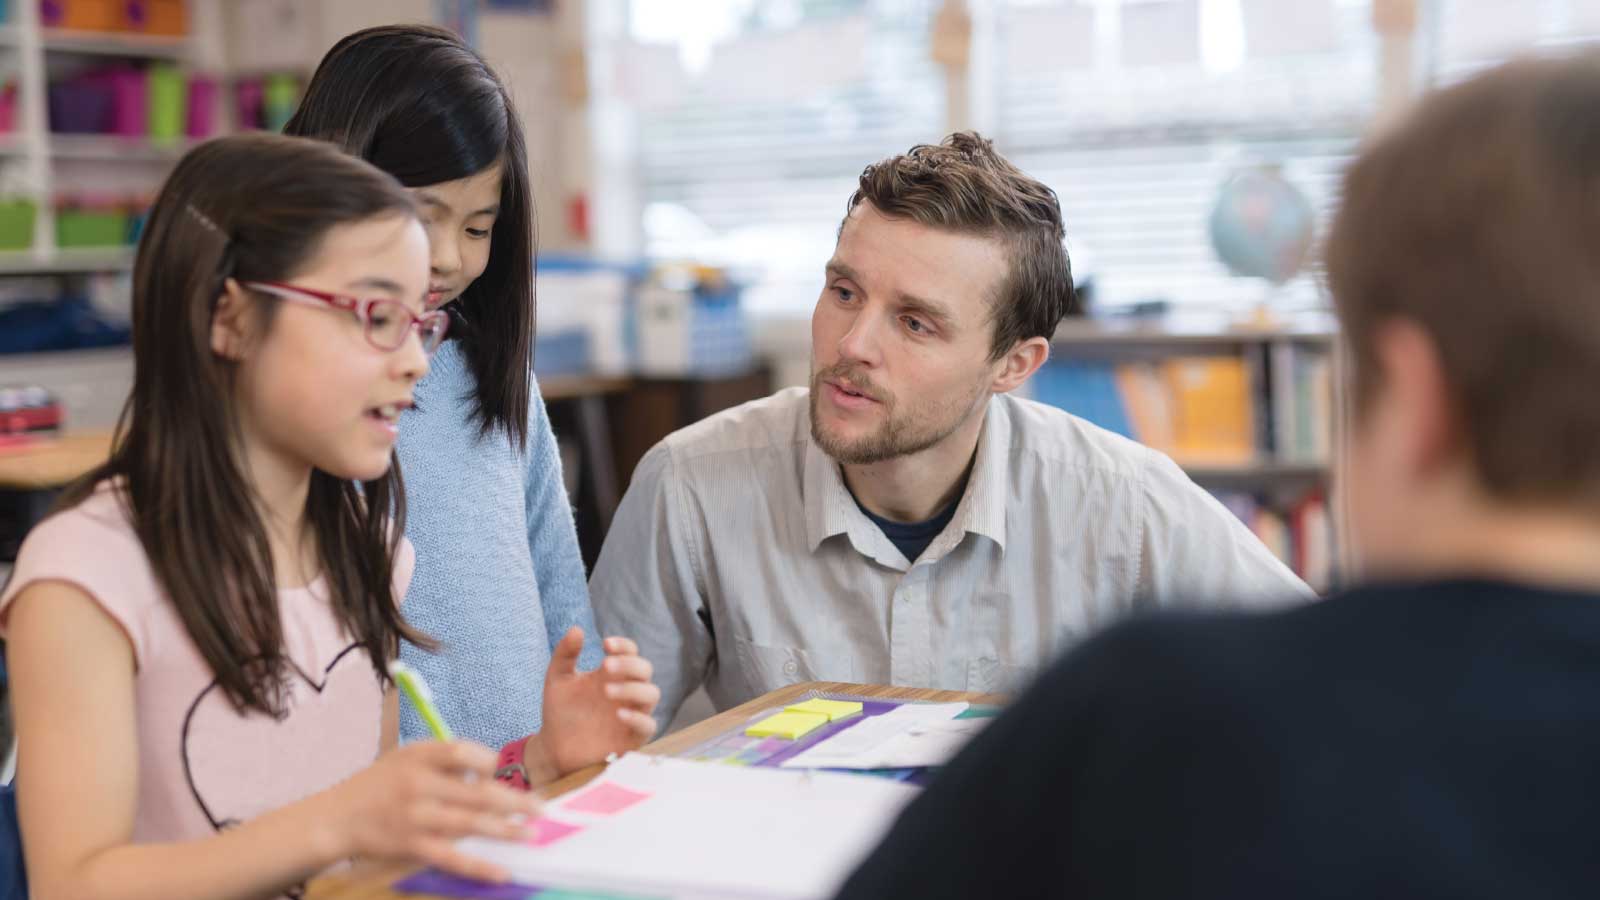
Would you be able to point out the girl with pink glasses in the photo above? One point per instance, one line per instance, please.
(198, 637)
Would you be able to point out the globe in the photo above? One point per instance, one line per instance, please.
(1262, 226)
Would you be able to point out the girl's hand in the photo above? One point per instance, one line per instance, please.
(590, 715)
(414, 802)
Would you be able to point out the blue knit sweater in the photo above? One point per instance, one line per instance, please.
(499, 578)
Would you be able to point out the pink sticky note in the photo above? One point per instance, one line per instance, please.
(604, 799)
(543, 832)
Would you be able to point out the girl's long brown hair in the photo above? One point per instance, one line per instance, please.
(254, 208)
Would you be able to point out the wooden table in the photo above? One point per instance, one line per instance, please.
(373, 882)
(53, 463)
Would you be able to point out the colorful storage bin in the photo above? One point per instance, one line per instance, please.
(98, 225)
(16, 224)
(82, 15)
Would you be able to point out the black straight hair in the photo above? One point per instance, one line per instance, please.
(419, 103)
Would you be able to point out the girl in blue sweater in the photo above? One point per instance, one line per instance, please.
(499, 580)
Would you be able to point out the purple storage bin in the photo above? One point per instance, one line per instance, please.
(128, 116)
(248, 101)
(81, 105)
(202, 119)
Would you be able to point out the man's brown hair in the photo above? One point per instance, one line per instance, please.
(964, 185)
(1479, 221)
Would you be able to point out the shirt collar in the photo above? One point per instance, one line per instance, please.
(831, 510)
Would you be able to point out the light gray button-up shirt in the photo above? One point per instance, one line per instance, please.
(740, 560)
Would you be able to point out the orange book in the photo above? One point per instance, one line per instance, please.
(1148, 402)
(1211, 404)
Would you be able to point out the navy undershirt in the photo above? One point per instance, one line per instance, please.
(912, 538)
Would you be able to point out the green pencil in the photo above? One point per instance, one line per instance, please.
(416, 690)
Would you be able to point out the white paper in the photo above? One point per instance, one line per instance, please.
(895, 735)
(934, 745)
(710, 830)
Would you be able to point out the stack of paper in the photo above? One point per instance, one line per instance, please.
(912, 736)
(662, 827)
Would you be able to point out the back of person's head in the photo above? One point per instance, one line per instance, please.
(251, 208)
(419, 103)
(964, 185)
(1478, 221)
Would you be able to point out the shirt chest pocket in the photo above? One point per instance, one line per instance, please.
(1007, 647)
(766, 667)
(990, 675)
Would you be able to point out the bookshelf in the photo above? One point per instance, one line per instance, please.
(1248, 410)
(38, 163)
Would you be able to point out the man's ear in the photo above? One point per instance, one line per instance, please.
(230, 322)
(1020, 362)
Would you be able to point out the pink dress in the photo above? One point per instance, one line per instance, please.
(203, 766)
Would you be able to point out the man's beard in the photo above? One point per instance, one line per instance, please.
(896, 435)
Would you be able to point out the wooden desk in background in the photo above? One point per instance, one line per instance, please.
(55, 463)
(598, 474)
(31, 476)
(374, 882)
(615, 420)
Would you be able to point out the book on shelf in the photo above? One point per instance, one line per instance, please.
(1208, 410)
(1303, 405)
(1298, 532)
(1211, 409)
(1197, 409)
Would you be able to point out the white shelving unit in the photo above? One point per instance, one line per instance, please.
(112, 148)
(33, 154)
(120, 45)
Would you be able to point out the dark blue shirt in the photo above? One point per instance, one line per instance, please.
(1436, 739)
(914, 537)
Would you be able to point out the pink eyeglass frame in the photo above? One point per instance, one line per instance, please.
(360, 307)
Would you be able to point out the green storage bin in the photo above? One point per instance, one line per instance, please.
(16, 224)
(168, 91)
(280, 95)
(91, 228)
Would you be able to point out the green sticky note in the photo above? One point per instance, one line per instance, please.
(789, 725)
(833, 709)
(979, 712)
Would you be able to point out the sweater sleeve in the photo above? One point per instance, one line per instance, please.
(553, 538)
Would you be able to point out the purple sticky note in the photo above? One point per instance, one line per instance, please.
(604, 799)
(544, 832)
(441, 884)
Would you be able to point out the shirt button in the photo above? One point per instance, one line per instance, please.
(791, 667)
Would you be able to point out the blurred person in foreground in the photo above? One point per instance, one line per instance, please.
(1435, 731)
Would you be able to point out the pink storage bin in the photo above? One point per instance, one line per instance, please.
(247, 102)
(128, 104)
(8, 108)
(202, 115)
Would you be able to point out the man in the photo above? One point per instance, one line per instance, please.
(906, 520)
(1436, 733)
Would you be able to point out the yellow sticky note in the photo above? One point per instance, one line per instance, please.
(833, 709)
(791, 725)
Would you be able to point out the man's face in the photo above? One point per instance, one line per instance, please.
(900, 337)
